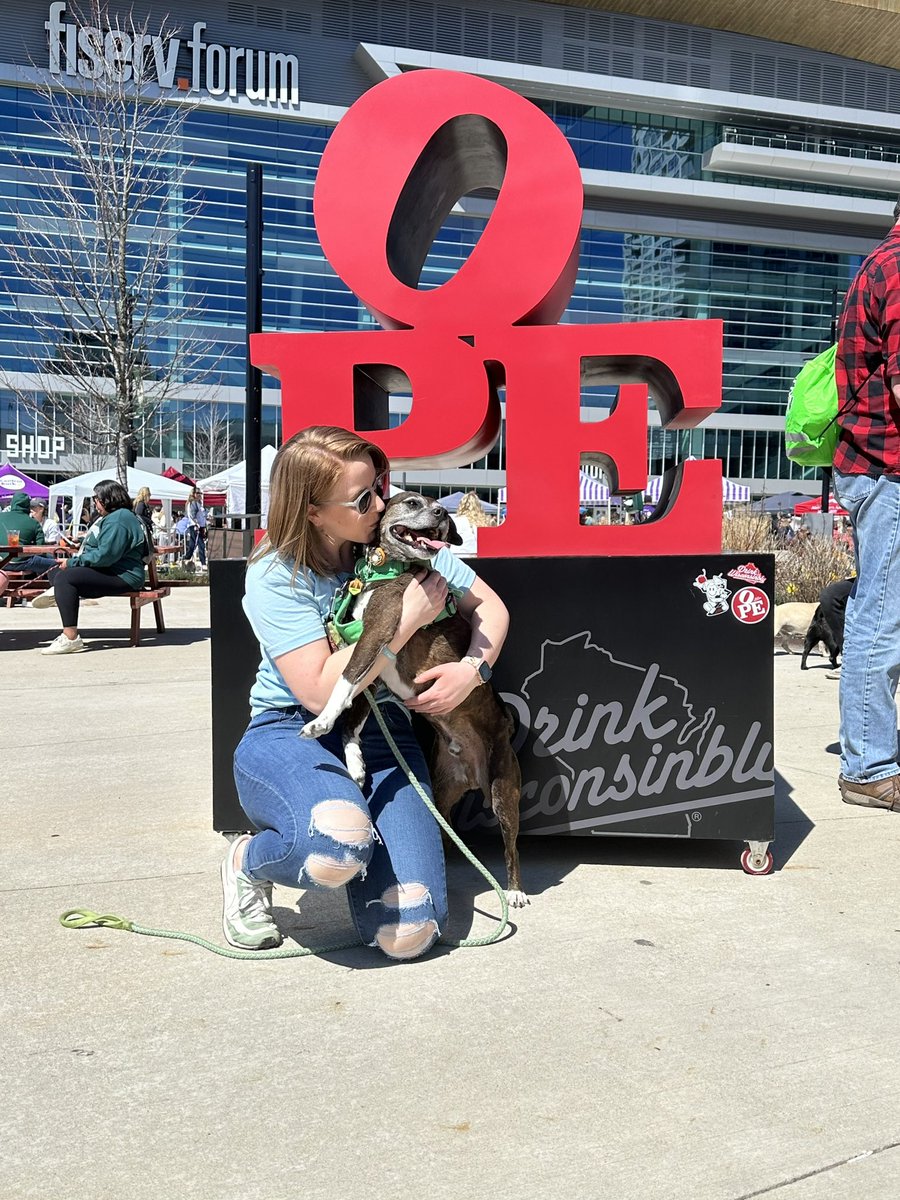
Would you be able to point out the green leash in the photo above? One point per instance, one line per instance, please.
(83, 918)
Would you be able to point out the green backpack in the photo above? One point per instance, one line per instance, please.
(810, 424)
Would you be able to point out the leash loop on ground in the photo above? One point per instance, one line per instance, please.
(84, 918)
(81, 918)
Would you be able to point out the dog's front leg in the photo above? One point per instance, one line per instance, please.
(347, 688)
(353, 725)
(381, 622)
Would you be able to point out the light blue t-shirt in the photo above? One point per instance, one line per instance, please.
(285, 615)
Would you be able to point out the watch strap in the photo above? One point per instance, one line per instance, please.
(479, 666)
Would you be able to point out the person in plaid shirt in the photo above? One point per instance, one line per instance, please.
(867, 484)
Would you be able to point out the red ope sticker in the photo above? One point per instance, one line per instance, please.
(750, 604)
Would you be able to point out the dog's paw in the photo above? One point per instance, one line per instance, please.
(316, 729)
(516, 899)
(356, 764)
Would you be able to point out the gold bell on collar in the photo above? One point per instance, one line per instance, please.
(354, 587)
(377, 557)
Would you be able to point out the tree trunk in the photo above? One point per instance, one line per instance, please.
(123, 440)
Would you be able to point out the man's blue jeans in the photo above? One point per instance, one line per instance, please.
(870, 665)
(38, 564)
(195, 541)
(317, 829)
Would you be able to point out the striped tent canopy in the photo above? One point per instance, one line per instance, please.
(732, 493)
(590, 490)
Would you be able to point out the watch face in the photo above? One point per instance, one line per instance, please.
(484, 671)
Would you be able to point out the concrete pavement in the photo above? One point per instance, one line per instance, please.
(660, 1026)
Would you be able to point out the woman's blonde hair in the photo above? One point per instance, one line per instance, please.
(305, 471)
(471, 508)
(143, 494)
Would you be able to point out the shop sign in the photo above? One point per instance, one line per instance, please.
(88, 52)
(34, 447)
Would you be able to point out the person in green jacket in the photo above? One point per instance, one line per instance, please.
(110, 564)
(18, 519)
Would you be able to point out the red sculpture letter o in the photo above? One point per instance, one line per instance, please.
(380, 200)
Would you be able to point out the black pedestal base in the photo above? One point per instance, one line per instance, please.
(643, 706)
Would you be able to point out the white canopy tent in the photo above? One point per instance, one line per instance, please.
(233, 482)
(590, 490)
(81, 488)
(732, 493)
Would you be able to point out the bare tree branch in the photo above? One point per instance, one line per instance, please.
(105, 200)
(208, 440)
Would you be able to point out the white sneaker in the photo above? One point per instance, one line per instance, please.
(47, 600)
(246, 913)
(64, 645)
(835, 674)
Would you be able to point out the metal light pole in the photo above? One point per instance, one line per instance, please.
(253, 407)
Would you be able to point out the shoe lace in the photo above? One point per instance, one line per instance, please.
(254, 901)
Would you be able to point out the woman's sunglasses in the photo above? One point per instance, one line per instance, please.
(363, 501)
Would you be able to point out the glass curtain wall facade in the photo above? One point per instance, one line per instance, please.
(777, 302)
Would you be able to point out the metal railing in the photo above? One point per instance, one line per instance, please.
(809, 143)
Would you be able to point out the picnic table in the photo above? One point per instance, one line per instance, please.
(22, 586)
(8, 552)
(25, 587)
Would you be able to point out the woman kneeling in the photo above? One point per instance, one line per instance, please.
(317, 828)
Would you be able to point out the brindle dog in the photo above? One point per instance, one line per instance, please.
(472, 748)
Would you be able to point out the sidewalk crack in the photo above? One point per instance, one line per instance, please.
(774, 1187)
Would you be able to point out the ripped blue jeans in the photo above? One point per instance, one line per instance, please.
(318, 829)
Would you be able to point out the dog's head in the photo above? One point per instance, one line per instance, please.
(413, 528)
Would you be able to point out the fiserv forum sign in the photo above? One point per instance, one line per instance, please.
(88, 52)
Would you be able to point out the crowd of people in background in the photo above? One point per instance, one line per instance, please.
(105, 553)
(789, 529)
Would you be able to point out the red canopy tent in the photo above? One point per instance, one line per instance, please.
(171, 473)
(210, 499)
(814, 505)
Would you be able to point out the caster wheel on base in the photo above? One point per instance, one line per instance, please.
(763, 868)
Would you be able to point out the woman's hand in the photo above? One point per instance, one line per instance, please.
(452, 683)
(423, 600)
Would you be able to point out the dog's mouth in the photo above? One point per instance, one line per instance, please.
(419, 539)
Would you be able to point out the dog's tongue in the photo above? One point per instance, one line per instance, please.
(433, 543)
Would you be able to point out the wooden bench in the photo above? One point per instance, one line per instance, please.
(23, 586)
(153, 592)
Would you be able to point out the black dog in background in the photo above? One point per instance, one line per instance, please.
(827, 625)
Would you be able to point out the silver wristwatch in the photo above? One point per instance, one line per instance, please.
(480, 667)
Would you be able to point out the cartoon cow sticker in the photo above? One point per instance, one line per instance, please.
(715, 591)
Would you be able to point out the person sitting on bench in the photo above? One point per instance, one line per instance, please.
(110, 563)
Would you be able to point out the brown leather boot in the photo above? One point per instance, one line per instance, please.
(883, 793)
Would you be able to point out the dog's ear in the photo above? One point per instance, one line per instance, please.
(453, 534)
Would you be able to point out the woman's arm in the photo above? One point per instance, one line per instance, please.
(489, 618)
(311, 671)
(451, 683)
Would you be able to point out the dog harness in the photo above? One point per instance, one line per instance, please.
(373, 569)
